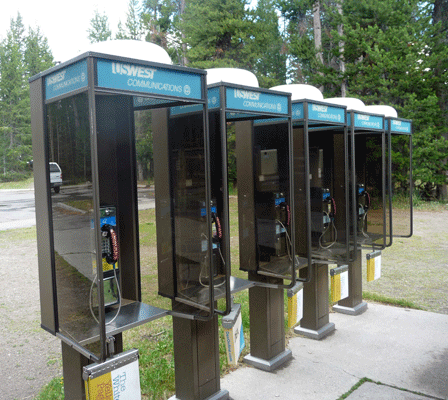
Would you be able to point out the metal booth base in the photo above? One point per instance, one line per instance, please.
(268, 365)
(221, 395)
(315, 334)
(357, 310)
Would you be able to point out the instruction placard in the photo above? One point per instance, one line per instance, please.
(373, 266)
(115, 379)
(234, 339)
(339, 283)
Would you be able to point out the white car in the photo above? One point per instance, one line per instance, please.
(55, 176)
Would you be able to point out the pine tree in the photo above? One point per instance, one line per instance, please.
(229, 34)
(383, 52)
(99, 30)
(38, 56)
(22, 55)
(267, 45)
(440, 55)
(299, 37)
(216, 33)
(14, 103)
(133, 26)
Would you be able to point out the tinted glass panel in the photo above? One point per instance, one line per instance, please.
(370, 188)
(192, 234)
(264, 199)
(72, 205)
(328, 191)
(401, 185)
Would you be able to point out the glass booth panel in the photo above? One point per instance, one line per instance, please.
(328, 194)
(187, 159)
(191, 247)
(370, 189)
(264, 199)
(72, 210)
(401, 184)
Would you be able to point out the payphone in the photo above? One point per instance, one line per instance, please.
(399, 171)
(264, 176)
(369, 227)
(110, 252)
(319, 129)
(85, 114)
(321, 126)
(192, 247)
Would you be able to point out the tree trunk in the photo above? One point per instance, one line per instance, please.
(341, 52)
(183, 60)
(317, 28)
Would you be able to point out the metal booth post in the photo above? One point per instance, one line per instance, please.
(320, 129)
(85, 114)
(369, 227)
(265, 202)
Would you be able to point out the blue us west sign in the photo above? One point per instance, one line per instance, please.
(66, 80)
(399, 126)
(255, 101)
(148, 79)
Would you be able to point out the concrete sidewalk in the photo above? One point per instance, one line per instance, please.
(405, 350)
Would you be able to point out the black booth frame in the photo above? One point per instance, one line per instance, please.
(391, 133)
(353, 131)
(47, 278)
(225, 116)
(316, 126)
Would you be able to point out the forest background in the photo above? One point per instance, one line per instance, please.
(392, 52)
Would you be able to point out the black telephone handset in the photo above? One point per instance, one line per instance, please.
(110, 249)
(217, 232)
(363, 206)
(110, 254)
(282, 211)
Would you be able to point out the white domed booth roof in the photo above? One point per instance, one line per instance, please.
(137, 49)
(300, 91)
(387, 111)
(236, 76)
(351, 103)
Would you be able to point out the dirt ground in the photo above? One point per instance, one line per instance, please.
(30, 357)
(415, 269)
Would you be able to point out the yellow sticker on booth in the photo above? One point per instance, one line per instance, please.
(335, 288)
(295, 308)
(100, 388)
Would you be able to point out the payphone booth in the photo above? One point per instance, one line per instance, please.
(265, 182)
(321, 126)
(369, 226)
(84, 116)
(399, 172)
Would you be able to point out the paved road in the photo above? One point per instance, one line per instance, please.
(17, 208)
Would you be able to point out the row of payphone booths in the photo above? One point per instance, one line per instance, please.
(317, 181)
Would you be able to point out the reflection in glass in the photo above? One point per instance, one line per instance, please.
(69, 139)
(188, 171)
